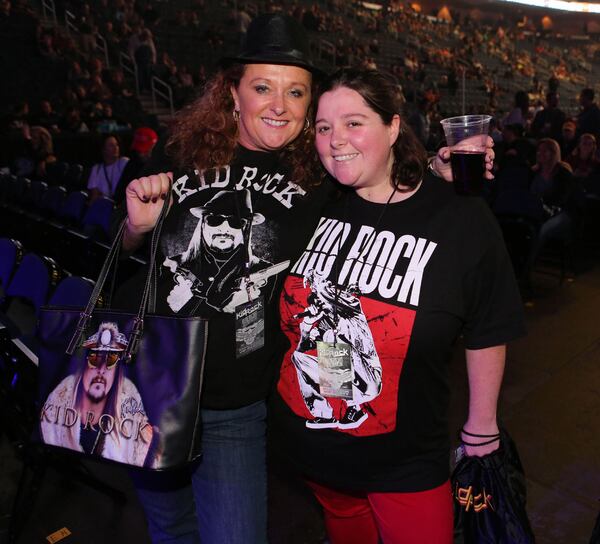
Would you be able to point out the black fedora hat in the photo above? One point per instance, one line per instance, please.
(274, 38)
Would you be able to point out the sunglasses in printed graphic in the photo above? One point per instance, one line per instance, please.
(109, 358)
(215, 220)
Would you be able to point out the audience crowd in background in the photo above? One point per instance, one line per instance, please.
(79, 102)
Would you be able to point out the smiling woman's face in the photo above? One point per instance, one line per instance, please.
(273, 103)
(353, 143)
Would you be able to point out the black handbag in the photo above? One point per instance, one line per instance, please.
(121, 386)
(489, 497)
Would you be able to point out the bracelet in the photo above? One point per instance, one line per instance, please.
(479, 435)
(480, 443)
(430, 161)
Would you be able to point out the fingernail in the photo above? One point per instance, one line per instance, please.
(155, 200)
(145, 199)
(163, 196)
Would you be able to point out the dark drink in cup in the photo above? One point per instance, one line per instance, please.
(466, 136)
(468, 169)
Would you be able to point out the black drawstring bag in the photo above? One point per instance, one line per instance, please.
(489, 497)
(596, 532)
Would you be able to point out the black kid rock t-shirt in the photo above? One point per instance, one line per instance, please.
(399, 295)
(244, 220)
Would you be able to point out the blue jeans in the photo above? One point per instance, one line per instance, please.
(223, 498)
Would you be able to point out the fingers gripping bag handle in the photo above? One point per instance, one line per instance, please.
(148, 301)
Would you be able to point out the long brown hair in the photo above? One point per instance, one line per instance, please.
(205, 133)
(383, 97)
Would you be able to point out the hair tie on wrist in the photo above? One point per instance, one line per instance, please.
(480, 443)
(480, 435)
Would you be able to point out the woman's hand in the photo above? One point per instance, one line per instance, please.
(441, 162)
(145, 198)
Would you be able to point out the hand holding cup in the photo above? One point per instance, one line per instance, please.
(467, 138)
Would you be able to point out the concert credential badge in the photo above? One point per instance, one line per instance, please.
(335, 370)
(249, 327)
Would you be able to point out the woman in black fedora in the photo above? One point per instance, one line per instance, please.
(249, 134)
(235, 222)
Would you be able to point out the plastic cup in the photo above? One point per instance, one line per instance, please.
(466, 136)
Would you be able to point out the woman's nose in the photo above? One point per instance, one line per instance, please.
(278, 104)
(338, 137)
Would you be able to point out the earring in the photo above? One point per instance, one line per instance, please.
(306, 125)
(236, 115)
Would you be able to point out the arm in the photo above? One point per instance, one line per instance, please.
(485, 368)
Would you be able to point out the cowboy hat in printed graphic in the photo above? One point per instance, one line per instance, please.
(108, 338)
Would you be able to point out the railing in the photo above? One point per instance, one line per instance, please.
(70, 22)
(49, 11)
(327, 51)
(163, 90)
(102, 46)
(130, 67)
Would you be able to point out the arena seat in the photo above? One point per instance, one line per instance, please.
(72, 291)
(11, 253)
(33, 280)
(54, 200)
(96, 221)
(74, 207)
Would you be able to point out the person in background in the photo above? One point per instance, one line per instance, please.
(144, 140)
(36, 154)
(145, 59)
(104, 176)
(560, 197)
(72, 122)
(548, 122)
(520, 113)
(568, 140)
(47, 117)
(585, 163)
(588, 119)
(398, 268)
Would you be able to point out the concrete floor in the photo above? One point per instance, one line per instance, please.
(550, 404)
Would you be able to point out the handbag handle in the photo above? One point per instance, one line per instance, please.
(148, 301)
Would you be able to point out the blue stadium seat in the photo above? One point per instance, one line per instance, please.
(33, 279)
(37, 194)
(11, 253)
(72, 291)
(74, 207)
(96, 221)
(54, 200)
(56, 172)
(74, 177)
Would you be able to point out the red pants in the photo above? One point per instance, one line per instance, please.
(425, 517)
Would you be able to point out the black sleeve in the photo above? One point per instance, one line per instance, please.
(494, 310)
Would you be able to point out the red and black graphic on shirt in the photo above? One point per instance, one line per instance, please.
(315, 307)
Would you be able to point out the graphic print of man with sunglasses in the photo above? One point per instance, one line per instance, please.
(212, 270)
(98, 410)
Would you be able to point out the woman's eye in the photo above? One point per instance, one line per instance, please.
(297, 93)
(322, 130)
(354, 124)
(261, 89)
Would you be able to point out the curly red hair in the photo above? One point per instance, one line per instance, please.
(205, 134)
